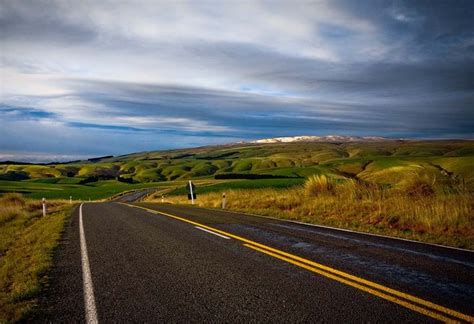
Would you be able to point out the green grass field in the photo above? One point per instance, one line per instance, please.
(93, 191)
(241, 184)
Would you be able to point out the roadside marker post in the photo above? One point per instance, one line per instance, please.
(191, 195)
(44, 206)
(162, 198)
(191, 192)
(70, 199)
(223, 200)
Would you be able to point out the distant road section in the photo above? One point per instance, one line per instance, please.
(134, 196)
(167, 263)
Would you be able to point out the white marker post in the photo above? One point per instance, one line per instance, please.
(70, 199)
(44, 206)
(191, 191)
(162, 198)
(223, 200)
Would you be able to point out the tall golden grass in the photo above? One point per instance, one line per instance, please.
(417, 209)
(26, 244)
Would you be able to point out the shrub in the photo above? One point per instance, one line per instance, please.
(89, 180)
(420, 188)
(420, 185)
(14, 176)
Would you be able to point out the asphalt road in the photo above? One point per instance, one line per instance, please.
(187, 264)
(135, 195)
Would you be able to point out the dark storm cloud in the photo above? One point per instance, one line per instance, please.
(261, 115)
(159, 74)
(41, 21)
(310, 77)
(431, 18)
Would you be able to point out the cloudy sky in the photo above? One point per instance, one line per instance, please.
(90, 78)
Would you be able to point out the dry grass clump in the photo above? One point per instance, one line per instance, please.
(8, 213)
(14, 206)
(419, 209)
(351, 189)
(319, 184)
(11, 207)
(12, 199)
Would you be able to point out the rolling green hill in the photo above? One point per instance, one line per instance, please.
(385, 162)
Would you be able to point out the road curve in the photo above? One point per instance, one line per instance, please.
(187, 264)
(134, 195)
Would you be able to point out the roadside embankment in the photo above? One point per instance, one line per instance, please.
(418, 209)
(26, 251)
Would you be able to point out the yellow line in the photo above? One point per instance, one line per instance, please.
(358, 286)
(411, 298)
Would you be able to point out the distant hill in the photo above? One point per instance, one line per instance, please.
(371, 159)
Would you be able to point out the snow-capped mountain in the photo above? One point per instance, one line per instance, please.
(328, 138)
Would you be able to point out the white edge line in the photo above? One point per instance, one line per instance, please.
(89, 300)
(211, 232)
(339, 229)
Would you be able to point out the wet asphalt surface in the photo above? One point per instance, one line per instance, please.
(152, 268)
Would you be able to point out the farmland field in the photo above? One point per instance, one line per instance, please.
(97, 190)
(243, 184)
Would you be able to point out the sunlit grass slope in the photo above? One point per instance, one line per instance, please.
(386, 163)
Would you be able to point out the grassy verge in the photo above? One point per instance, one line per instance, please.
(26, 246)
(418, 209)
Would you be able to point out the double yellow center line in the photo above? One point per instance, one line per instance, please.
(406, 300)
